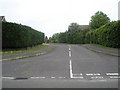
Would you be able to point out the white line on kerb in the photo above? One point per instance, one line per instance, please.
(71, 75)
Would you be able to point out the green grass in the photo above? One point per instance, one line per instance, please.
(103, 46)
(36, 48)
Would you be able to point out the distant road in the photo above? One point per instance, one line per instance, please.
(67, 66)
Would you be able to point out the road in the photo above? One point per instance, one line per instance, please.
(67, 66)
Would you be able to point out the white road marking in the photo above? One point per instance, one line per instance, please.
(78, 74)
(34, 77)
(52, 77)
(92, 74)
(112, 74)
(42, 77)
(61, 77)
(78, 77)
(69, 49)
(8, 77)
(97, 77)
(69, 53)
(71, 75)
(116, 77)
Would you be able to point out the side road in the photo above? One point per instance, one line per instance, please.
(51, 47)
(113, 52)
(26, 55)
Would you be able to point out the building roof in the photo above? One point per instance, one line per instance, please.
(83, 27)
(2, 18)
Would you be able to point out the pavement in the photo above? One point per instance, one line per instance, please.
(68, 66)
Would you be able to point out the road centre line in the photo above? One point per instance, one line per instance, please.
(71, 75)
(69, 53)
(69, 49)
(52, 77)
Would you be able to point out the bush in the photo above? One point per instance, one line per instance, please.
(106, 35)
(20, 36)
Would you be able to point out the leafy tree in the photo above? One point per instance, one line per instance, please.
(72, 30)
(46, 39)
(62, 37)
(98, 20)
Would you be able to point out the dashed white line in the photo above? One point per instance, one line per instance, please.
(78, 77)
(78, 74)
(69, 53)
(112, 74)
(115, 77)
(92, 74)
(8, 77)
(97, 77)
(61, 77)
(36, 77)
(52, 77)
(69, 49)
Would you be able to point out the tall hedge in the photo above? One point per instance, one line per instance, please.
(106, 35)
(20, 36)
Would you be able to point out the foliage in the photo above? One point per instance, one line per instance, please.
(19, 36)
(74, 35)
(98, 20)
(106, 35)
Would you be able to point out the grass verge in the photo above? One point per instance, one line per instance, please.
(36, 48)
(49, 49)
(97, 45)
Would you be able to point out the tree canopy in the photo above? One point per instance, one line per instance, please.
(98, 20)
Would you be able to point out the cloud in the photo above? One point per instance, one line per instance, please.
(52, 16)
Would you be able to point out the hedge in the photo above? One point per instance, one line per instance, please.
(106, 35)
(20, 36)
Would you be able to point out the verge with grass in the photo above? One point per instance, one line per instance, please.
(97, 45)
(36, 48)
(48, 50)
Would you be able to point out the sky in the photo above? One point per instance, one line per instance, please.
(54, 16)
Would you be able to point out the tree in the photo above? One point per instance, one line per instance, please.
(62, 37)
(98, 20)
(72, 30)
(46, 39)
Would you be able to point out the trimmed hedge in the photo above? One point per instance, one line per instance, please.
(106, 35)
(20, 36)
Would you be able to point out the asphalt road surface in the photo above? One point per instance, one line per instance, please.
(68, 66)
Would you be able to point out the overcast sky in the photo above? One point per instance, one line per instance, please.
(53, 16)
